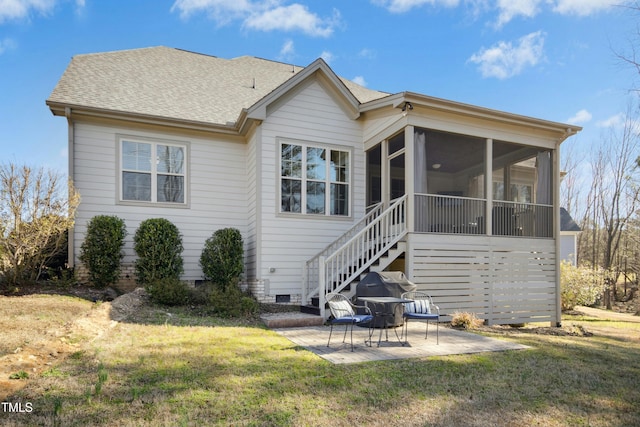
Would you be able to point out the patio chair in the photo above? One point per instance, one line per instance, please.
(421, 308)
(344, 312)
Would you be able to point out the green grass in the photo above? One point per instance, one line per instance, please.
(192, 370)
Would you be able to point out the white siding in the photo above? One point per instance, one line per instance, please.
(312, 116)
(217, 179)
(502, 280)
(568, 247)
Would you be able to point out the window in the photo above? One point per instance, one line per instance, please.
(153, 171)
(314, 180)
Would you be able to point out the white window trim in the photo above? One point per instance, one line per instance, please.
(154, 174)
(304, 180)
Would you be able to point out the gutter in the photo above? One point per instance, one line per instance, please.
(399, 100)
(69, 111)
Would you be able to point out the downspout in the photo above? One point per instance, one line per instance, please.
(70, 145)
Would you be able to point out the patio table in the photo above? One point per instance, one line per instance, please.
(384, 307)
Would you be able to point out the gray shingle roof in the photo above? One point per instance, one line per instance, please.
(566, 222)
(177, 84)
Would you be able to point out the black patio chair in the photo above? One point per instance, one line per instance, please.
(344, 312)
(421, 308)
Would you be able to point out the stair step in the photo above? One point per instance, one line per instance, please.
(310, 309)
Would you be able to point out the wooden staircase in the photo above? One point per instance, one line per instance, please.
(375, 243)
(313, 306)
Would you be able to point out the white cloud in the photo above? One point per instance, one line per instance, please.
(7, 44)
(221, 11)
(582, 116)
(359, 80)
(287, 49)
(261, 15)
(582, 7)
(401, 6)
(507, 10)
(613, 121)
(327, 56)
(505, 59)
(295, 17)
(510, 9)
(18, 9)
(367, 53)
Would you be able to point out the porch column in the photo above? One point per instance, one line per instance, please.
(555, 161)
(488, 223)
(488, 186)
(409, 176)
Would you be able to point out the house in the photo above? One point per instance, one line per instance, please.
(569, 231)
(325, 179)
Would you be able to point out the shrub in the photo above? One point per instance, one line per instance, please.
(579, 285)
(231, 302)
(168, 291)
(158, 244)
(101, 251)
(222, 259)
(465, 320)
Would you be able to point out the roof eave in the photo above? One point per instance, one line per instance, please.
(64, 109)
(399, 100)
(258, 111)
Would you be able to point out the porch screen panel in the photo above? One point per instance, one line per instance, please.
(397, 183)
(374, 175)
(420, 164)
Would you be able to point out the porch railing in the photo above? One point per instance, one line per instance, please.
(352, 259)
(311, 273)
(448, 214)
(522, 219)
(464, 215)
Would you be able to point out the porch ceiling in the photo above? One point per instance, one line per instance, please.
(456, 153)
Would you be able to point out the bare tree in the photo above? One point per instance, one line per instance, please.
(620, 187)
(36, 208)
(613, 197)
(572, 181)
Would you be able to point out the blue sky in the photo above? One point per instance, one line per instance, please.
(551, 59)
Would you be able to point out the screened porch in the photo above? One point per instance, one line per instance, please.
(461, 184)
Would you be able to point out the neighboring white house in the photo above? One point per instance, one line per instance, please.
(325, 179)
(569, 231)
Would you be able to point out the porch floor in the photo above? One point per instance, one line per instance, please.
(452, 341)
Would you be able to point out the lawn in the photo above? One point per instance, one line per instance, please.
(172, 367)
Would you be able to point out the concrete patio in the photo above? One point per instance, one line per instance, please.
(452, 341)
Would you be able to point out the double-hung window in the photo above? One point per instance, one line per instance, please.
(314, 180)
(153, 171)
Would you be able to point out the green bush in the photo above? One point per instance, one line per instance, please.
(232, 302)
(101, 251)
(168, 291)
(579, 285)
(222, 259)
(158, 244)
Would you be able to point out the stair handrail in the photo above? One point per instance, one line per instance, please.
(346, 263)
(310, 277)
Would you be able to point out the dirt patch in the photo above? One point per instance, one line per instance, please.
(44, 330)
